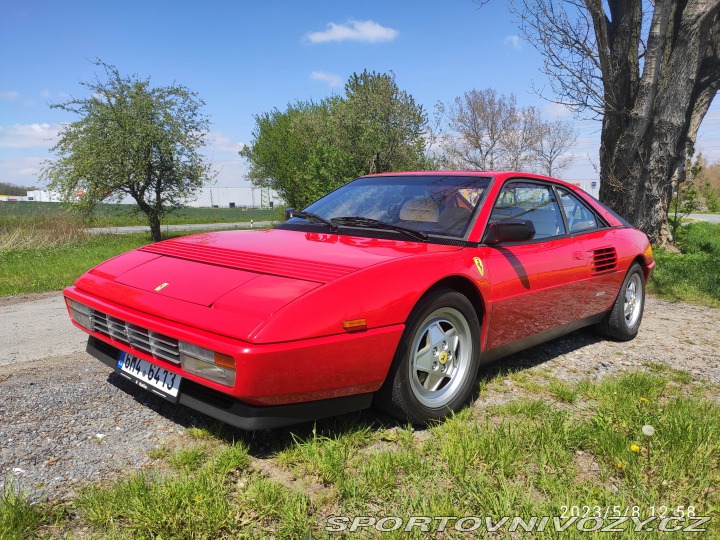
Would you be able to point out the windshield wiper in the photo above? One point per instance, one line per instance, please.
(359, 221)
(311, 216)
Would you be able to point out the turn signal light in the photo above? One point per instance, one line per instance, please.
(208, 364)
(355, 325)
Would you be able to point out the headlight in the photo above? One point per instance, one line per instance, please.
(80, 313)
(207, 364)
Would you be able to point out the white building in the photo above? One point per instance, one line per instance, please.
(221, 197)
(224, 197)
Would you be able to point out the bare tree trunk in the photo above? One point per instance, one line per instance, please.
(155, 231)
(651, 82)
(649, 134)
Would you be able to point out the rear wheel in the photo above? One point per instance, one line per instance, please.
(623, 321)
(436, 363)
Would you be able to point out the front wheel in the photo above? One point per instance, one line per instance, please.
(436, 363)
(623, 321)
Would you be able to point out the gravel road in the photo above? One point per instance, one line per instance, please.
(66, 419)
(712, 218)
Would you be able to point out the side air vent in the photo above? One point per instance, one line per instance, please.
(603, 260)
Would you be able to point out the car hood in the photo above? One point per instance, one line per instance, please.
(201, 279)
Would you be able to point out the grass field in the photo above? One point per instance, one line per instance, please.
(692, 275)
(42, 248)
(555, 449)
(122, 215)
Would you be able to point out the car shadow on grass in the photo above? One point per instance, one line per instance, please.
(265, 444)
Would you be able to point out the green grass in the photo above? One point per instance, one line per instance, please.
(528, 457)
(693, 274)
(188, 459)
(122, 215)
(18, 517)
(52, 268)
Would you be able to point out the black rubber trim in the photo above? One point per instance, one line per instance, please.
(238, 414)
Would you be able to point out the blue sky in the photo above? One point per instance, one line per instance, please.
(247, 57)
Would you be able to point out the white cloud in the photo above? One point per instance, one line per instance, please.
(330, 78)
(557, 110)
(366, 31)
(220, 143)
(28, 135)
(514, 41)
(8, 95)
(22, 171)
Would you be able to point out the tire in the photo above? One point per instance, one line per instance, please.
(622, 322)
(436, 363)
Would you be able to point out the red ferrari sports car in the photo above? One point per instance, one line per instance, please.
(393, 289)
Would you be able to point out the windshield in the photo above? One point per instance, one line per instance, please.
(436, 205)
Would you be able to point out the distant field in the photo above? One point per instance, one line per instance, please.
(121, 215)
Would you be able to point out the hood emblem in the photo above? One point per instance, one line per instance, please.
(161, 287)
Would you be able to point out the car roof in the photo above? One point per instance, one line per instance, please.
(499, 175)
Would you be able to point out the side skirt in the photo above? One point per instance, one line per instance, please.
(511, 348)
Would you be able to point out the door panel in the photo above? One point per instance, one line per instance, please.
(535, 287)
(538, 285)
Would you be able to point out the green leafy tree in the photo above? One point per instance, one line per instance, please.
(312, 148)
(6, 188)
(134, 140)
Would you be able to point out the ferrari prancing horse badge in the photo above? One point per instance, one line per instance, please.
(480, 267)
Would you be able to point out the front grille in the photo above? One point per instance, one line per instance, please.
(138, 338)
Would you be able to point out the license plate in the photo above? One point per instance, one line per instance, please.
(157, 379)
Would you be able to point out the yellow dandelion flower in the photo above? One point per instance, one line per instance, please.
(635, 448)
(618, 465)
(644, 399)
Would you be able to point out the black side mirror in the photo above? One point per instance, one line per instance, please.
(289, 213)
(516, 230)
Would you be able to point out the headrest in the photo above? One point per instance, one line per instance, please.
(420, 209)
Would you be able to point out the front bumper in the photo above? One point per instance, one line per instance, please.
(268, 374)
(231, 411)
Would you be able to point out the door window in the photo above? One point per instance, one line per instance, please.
(533, 202)
(579, 217)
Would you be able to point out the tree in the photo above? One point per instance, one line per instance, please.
(380, 124)
(477, 121)
(553, 141)
(686, 198)
(487, 131)
(312, 148)
(131, 140)
(650, 70)
(7, 188)
(707, 178)
(520, 141)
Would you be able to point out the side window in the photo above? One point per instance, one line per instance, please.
(533, 202)
(579, 217)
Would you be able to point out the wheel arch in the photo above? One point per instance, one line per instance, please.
(464, 286)
(640, 259)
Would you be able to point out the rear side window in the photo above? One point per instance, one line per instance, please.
(579, 217)
(533, 202)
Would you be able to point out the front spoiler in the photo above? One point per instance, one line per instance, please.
(249, 417)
